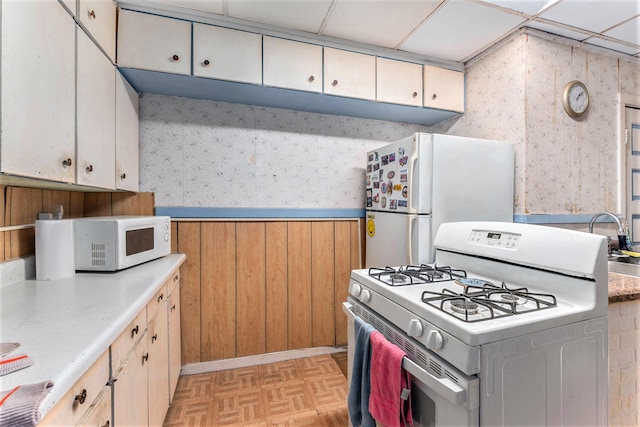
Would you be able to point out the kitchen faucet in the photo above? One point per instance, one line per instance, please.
(624, 242)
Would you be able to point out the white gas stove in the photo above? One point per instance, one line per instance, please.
(501, 296)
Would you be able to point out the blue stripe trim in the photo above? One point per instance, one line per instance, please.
(557, 219)
(242, 213)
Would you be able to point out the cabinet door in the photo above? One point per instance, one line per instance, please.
(99, 414)
(96, 122)
(349, 74)
(443, 89)
(127, 123)
(292, 65)
(73, 406)
(175, 362)
(98, 17)
(130, 404)
(155, 43)
(158, 367)
(399, 82)
(221, 53)
(37, 90)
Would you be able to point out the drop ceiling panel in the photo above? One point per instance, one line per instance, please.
(613, 46)
(592, 15)
(529, 7)
(460, 29)
(628, 32)
(554, 29)
(299, 15)
(383, 23)
(213, 6)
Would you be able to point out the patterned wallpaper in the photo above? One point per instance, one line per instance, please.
(212, 154)
(563, 166)
(200, 153)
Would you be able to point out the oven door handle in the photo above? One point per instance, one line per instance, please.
(443, 386)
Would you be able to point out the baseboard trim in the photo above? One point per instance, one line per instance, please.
(259, 359)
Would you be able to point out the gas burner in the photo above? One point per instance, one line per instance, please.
(464, 306)
(485, 301)
(415, 274)
(511, 299)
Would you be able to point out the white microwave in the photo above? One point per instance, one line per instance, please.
(111, 243)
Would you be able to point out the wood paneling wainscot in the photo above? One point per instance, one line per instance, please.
(254, 287)
(20, 208)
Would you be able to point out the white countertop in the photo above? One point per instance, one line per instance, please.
(65, 325)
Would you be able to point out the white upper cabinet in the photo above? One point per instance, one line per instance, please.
(399, 82)
(70, 5)
(127, 121)
(349, 74)
(38, 90)
(443, 89)
(95, 116)
(225, 54)
(292, 65)
(98, 17)
(154, 43)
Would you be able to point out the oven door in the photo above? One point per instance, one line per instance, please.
(436, 400)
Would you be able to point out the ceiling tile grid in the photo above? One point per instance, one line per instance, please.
(452, 30)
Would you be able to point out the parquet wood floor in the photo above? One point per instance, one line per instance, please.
(303, 392)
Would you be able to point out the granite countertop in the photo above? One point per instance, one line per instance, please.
(623, 287)
(66, 325)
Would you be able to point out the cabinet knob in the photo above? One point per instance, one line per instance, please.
(415, 94)
(160, 297)
(175, 278)
(134, 331)
(206, 62)
(89, 168)
(123, 176)
(311, 79)
(92, 14)
(334, 83)
(67, 162)
(154, 337)
(173, 307)
(175, 57)
(80, 398)
(106, 424)
(434, 96)
(145, 358)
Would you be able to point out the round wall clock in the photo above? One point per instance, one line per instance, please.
(575, 99)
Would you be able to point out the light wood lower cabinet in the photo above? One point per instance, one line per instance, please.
(77, 402)
(141, 378)
(99, 413)
(158, 366)
(175, 360)
(145, 364)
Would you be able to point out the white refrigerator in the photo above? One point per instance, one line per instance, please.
(419, 182)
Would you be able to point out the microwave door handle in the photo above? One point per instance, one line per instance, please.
(443, 386)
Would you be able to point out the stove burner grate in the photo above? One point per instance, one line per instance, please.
(415, 274)
(487, 302)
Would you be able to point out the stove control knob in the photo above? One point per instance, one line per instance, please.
(365, 296)
(356, 289)
(434, 340)
(415, 328)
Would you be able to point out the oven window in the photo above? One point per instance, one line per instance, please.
(423, 408)
(139, 240)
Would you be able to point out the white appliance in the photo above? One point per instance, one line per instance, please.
(419, 182)
(111, 243)
(508, 327)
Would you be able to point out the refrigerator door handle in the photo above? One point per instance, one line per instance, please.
(412, 184)
(410, 227)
